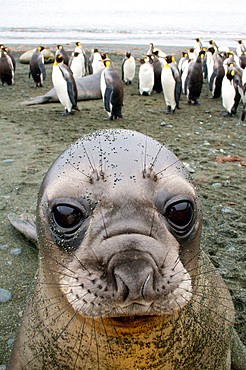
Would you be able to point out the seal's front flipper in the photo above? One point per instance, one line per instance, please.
(26, 225)
(238, 353)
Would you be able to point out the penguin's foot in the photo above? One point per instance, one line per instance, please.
(226, 114)
(67, 113)
(76, 108)
(166, 111)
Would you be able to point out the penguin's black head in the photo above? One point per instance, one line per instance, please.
(104, 56)
(142, 61)
(95, 50)
(78, 43)
(128, 54)
(191, 50)
(40, 48)
(230, 74)
(59, 58)
(156, 52)
(202, 53)
(211, 49)
(197, 39)
(107, 62)
(169, 59)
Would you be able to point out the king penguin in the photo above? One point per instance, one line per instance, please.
(37, 69)
(5, 48)
(171, 84)
(6, 68)
(61, 51)
(128, 68)
(77, 63)
(240, 47)
(64, 84)
(146, 77)
(112, 90)
(215, 80)
(194, 79)
(232, 91)
(95, 63)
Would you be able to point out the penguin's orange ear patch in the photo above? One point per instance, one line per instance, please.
(232, 73)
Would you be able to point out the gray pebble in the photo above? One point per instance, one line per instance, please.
(10, 342)
(226, 210)
(217, 185)
(16, 251)
(4, 246)
(5, 295)
(8, 160)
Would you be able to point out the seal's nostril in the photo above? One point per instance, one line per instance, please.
(121, 288)
(148, 287)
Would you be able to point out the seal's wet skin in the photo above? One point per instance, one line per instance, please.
(122, 282)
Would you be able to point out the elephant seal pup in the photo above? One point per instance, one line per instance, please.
(88, 89)
(122, 282)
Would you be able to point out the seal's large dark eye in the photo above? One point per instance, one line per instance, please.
(67, 216)
(180, 214)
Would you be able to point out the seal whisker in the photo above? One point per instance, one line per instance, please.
(62, 273)
(209, 309)
(45, 327)
(100, 155)
(77, 169)
(107, 338)
(176, 263)
(58, 262)
(92, 165)
(164, 169)
(80, 334)
(210, 294)
(48, 305)
(145, 156)
(151, 166)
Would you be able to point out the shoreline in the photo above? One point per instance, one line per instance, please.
(32, 137)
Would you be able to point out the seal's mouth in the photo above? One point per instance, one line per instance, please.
(132, 321)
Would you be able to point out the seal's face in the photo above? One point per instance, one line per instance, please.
(121, 219)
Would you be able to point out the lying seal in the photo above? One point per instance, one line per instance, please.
(88, 89)
(122, 282)
(49, 57)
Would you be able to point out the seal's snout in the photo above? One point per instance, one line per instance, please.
(134, 275)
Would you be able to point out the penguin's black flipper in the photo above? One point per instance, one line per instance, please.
(72, 93)
(107, 97)
(122, 68)
(177, 92)
(42, 69)
(214, 74)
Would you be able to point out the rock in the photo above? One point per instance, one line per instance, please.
(5, 295)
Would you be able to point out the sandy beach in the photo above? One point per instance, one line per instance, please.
(32, 137)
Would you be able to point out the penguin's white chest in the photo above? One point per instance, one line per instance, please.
(146, 79)
(129, 69)
(228, 94)
(60, 86)
(77, 67)
(168, 86)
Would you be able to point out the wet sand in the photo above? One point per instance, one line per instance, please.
(32, 137)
